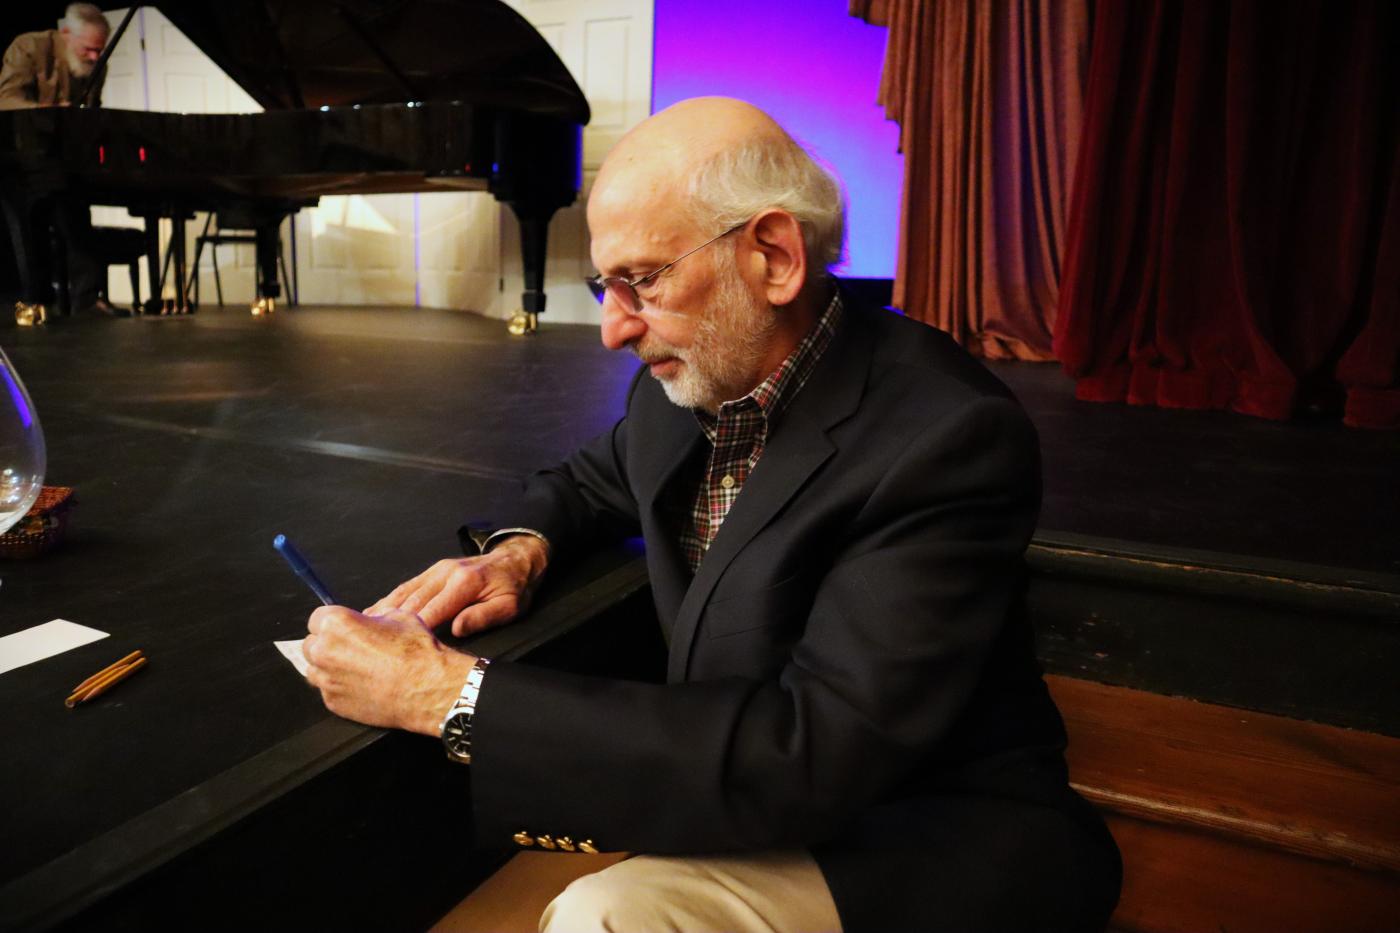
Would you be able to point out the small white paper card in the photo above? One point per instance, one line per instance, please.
(44, 641)
(291, 650)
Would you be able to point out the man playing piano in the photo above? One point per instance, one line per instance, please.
(853, 733)
(55, 68)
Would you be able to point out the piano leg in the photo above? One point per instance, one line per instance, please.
(153, 270)
(79, 274)
(534, 246)
(29, 240)
(536, 171)
(177, 246)
(175, 264)
(52, 239)
(268, 248)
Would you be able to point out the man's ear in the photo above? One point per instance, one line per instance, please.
(783, 254)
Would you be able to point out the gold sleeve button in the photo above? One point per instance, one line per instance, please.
(523, 839)
(588, 847)
(545, 840)
(565, 843)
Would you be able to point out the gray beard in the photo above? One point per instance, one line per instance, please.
(78, 67)
(731, 337)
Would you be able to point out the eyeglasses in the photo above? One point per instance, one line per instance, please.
(624, 291)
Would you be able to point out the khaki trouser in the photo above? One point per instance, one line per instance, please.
(781, 892)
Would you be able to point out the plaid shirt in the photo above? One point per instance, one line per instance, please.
(740, 431)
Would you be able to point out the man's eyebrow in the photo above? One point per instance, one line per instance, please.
(625, 270)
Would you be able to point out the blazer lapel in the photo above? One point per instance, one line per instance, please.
(798, 445)
(673, 439)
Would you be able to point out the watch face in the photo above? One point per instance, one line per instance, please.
(457, 735)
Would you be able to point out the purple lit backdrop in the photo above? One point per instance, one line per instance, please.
(817, 71)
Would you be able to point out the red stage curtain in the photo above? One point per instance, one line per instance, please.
(988, 99)
(1234, 232)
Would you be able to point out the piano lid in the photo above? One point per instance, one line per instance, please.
(291, 54)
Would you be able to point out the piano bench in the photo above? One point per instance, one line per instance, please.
(120, 246)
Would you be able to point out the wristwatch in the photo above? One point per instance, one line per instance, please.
(457, 725)
(479, 537)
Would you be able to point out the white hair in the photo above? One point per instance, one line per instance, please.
(773, 171)
(80, 15)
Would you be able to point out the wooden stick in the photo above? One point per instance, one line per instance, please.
(107, 670)
(107, 683)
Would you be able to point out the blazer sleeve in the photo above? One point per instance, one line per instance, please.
(18, 77)
(889, 658)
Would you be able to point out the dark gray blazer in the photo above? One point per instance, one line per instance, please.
(851, 670)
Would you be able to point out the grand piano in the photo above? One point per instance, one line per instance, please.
(360, 97)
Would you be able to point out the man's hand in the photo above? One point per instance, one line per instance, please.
(475, 593)
(387, 671)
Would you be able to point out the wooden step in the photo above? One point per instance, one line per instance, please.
(1297, 640)
(1235, 820)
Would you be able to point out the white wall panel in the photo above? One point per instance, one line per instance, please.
(606, 61)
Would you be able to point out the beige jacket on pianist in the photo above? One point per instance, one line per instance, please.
(36, 74)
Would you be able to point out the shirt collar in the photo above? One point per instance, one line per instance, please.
(776, 392)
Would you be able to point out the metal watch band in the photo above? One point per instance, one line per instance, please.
(457, 724)
(496, 536)
(479, 538)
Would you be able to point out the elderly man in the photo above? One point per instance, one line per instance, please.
(835, 502)
(54, 68)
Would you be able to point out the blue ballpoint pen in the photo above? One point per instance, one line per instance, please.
(302, 569)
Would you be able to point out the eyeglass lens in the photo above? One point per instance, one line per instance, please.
(621, 292)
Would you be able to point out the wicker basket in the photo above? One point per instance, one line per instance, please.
(42, 527)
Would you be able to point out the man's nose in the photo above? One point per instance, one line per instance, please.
(620, 328)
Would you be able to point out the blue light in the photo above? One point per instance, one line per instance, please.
(819, 82)
(25, 417)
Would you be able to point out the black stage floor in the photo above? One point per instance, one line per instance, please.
(1312, 492)
(329, 381)
(406, 398)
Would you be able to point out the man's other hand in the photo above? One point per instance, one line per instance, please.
(385, 671)
(475, 593)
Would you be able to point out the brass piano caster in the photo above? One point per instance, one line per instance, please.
(27, 315)
(263, 306)
(522, 323)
